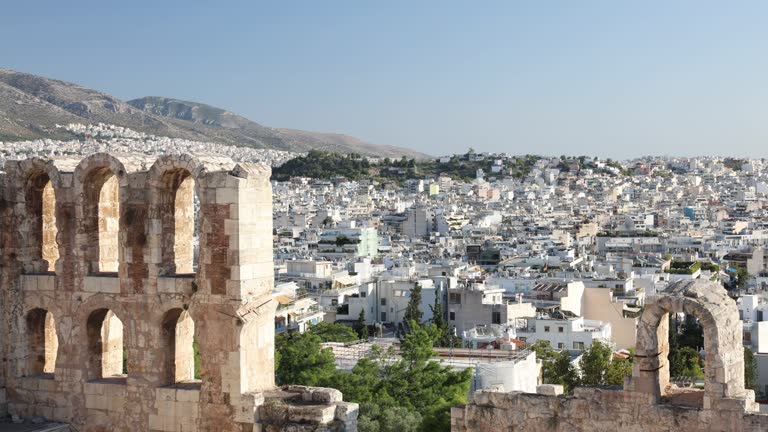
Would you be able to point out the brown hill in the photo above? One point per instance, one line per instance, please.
(31, 106)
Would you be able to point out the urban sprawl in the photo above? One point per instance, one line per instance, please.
(564, 253)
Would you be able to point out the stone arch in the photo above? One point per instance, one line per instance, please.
(178, 339)
(38, 227)
(106, 350)
(97, 183)
(42, 343)
(719, 318)
(174, 182)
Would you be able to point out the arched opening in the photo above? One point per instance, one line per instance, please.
(102, 220)
(42, 343)
(178, 212)
(40, 237)
(106, 357)
(718, 316)
(182, 361)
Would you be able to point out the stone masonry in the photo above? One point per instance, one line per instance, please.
(105, 302)
(648, 401)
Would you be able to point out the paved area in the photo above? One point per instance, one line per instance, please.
(8, 426)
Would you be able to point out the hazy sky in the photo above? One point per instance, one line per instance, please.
(610, 78)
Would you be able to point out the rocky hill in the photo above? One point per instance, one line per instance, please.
(31, 106)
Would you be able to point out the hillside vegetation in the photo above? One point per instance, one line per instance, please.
(327, 165)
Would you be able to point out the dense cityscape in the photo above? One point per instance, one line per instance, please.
(533, 271)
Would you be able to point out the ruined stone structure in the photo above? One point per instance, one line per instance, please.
(648, 402)
(106, 298)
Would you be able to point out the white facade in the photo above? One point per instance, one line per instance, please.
(575, 334)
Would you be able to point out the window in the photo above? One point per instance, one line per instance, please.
(335, 302)
(546, 329)
(178, 335)
(496, 317)
(40, 236)
(42, 343)
(363, 294)
(383, 316)
(384, 302)
(560, 345)
(454, 298)
(578, 346)
(105, 341)
(523, 338)
(178, 218)
(452, 316)
(560, 329)
(101, 215)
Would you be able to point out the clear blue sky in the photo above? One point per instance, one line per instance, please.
(610, 78)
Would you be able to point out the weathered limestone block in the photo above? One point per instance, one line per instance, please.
(549, 389)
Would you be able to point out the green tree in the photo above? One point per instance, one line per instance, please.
(685, 362)
(595, 363)
(618, 370)
(387, 419)
(446, 338)
(750, 370)
(410, 393)
(196, 359)
(416, 348)
(333, 332)
(685, 338)
(413, 311)
(556, 366)
(360, 325)
(742, 276)
(299, 359)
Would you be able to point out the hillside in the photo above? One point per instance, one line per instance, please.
(31, 106)
(327, 165)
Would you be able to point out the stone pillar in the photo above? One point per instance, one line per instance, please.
(236, 336)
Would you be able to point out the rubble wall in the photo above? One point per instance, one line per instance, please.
(595, 410)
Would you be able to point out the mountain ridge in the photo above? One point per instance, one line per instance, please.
(31, 106)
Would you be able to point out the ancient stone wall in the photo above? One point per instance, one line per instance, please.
(104, 304)
(595, 410)
(648, 401)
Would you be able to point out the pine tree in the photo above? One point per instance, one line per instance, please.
(413, 311)
(360, 326)
(439, 321)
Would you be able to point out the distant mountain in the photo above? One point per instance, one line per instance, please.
(31, 106)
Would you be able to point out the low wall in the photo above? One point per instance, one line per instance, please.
(596, 410)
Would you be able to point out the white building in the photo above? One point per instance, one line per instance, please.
(571, 333)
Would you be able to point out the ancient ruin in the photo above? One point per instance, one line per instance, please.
(648, 402)
(107, 298)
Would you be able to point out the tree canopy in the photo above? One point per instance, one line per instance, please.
(333, 332)
(412, 393)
